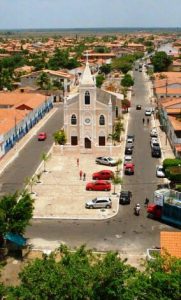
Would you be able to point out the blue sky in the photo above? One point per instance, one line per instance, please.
(89, 13)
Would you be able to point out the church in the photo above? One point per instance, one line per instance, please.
(89, 115)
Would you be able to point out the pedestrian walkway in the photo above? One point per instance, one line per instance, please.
(15, 151)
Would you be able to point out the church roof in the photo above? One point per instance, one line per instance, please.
(104, 97)
(87, 79)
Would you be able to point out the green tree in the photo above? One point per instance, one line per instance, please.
(161, 61)
(99, 80)
(106, 69)
(101, 49)
(45, 158)
(116, 180)
(43, 80)
(16, 210)
(60, 137)
(127, 81)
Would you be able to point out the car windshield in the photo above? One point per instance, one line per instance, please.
(94, 200)
(109, 158)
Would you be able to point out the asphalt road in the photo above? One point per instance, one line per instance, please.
(29, 158)
(126, 232)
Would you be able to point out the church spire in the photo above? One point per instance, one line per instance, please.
(87, 78)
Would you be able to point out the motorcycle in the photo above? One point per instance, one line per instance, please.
(137, 210)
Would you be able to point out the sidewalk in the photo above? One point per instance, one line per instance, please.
(62, 195)
(15, 151)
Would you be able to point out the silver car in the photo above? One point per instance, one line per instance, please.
(99, 202)
(108, 161)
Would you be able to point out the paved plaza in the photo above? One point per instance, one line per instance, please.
(63, 195)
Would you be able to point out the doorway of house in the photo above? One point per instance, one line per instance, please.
(102, 141)
(74, 140)
(87, 143)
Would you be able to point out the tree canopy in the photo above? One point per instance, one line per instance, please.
(161, 61)
(84, 275)
(16, 210)
(127, 81)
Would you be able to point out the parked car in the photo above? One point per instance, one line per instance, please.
(153, 132)
(127, 159)
(103, 175)
(148, 112)
(156, 152)
(160, 171)
(42, 136)
(129, 145)
(138, 107)
(125, 197)
(154, 140)
(108, 161)
(154, 143)
(98, 185)
(99, 202)
(128, 150)
(129, 169)
(130, 137)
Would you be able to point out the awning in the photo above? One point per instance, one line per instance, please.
(15, 238)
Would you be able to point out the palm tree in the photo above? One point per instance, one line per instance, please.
(116, 180)
(118, 162)
(31, 182)
(45, 157)
(114, 137)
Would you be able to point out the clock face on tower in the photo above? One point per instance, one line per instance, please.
(87, 121)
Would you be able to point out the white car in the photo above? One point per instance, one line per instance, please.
(160, 172)
(127, 159)
(99, 202)
(154, 144)
(148, 112)
(153, 140)
(153, 132)
(108, 161)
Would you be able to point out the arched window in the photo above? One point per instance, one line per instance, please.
(73, 120)
(87, 98)
(101, 120)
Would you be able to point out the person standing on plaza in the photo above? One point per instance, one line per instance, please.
(77, 162)
(80, 173)
(84, 176)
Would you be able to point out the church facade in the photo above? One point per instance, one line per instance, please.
(89, 116)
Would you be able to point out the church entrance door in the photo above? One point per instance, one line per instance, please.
(102, 141)
(87, 143)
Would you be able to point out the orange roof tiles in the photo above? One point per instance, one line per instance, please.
(171, 242)
(176, 123)
(9, 118)
(16, 98)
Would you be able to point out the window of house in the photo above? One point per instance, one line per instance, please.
(101, 120)
(87, 98)
(73, 120)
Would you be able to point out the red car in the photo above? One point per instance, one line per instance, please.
(42, 136)
(99, 185)
(103, 175)
(129, 169)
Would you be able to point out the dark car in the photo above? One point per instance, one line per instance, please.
(138, 107)
(156, 152)
(125, 197)
(128, 150)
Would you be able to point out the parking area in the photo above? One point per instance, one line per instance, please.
(62, 194)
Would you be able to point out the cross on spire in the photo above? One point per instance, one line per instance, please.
(87, 56)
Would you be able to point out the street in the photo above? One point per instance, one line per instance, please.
(29, 158)
(126, 232)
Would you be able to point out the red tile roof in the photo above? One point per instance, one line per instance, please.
(171, 242)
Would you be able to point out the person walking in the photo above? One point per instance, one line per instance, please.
(84, 176)
(146, 202)
(143, 121)
(148, 121)
(80, 173)
(77, 162)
